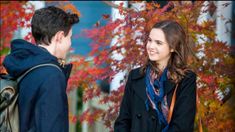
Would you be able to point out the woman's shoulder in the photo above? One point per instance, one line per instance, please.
(190, 74)
(136, 73)
(189, 78)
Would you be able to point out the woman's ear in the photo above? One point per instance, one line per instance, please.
(172, 50)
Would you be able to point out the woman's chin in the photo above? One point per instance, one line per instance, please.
(153, 59)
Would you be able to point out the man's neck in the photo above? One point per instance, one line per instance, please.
(50, 48)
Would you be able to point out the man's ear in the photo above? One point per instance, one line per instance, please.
(58, 36)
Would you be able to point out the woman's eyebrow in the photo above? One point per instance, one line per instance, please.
(159, 41)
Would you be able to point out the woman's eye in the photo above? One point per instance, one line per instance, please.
(149, 40)
(158, 42)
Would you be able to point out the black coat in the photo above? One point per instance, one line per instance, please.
(134, 117)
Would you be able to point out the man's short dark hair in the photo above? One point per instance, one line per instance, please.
(46, 22)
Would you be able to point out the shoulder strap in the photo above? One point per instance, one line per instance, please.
(199, 116)
(37, 66)
(172, 105)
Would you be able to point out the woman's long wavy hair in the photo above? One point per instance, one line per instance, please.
(178, 40)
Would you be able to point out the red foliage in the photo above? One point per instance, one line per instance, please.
(91, 115)
(214, 68)
(130, 34)
(13, 16)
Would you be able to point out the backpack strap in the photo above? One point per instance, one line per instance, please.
(35, 67)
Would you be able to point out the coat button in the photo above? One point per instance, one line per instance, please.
(153, 118)
(138, 116)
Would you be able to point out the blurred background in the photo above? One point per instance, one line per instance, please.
(108, 42)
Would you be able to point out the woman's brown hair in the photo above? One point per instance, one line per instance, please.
(177, 39)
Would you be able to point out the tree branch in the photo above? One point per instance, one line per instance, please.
(115, 5)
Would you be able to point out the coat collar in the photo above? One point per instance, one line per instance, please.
(138, 80)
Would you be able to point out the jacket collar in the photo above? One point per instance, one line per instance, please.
(67, 70)
(141, 86)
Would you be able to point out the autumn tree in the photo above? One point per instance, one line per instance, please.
(212, 61)
(14, 15)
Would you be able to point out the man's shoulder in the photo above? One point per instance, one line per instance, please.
(44, 72)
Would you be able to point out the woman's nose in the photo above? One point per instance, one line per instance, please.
(150, 45)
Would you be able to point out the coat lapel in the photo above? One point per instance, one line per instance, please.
(168, 86)
(139, 86)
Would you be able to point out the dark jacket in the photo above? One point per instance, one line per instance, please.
(43, 105)
(134, 117)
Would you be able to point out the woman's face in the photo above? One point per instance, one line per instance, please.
(157, 47)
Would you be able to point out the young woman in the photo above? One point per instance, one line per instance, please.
(149, 93)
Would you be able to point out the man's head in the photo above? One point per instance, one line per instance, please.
(51, 26)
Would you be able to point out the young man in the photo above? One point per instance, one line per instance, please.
(43, 105)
